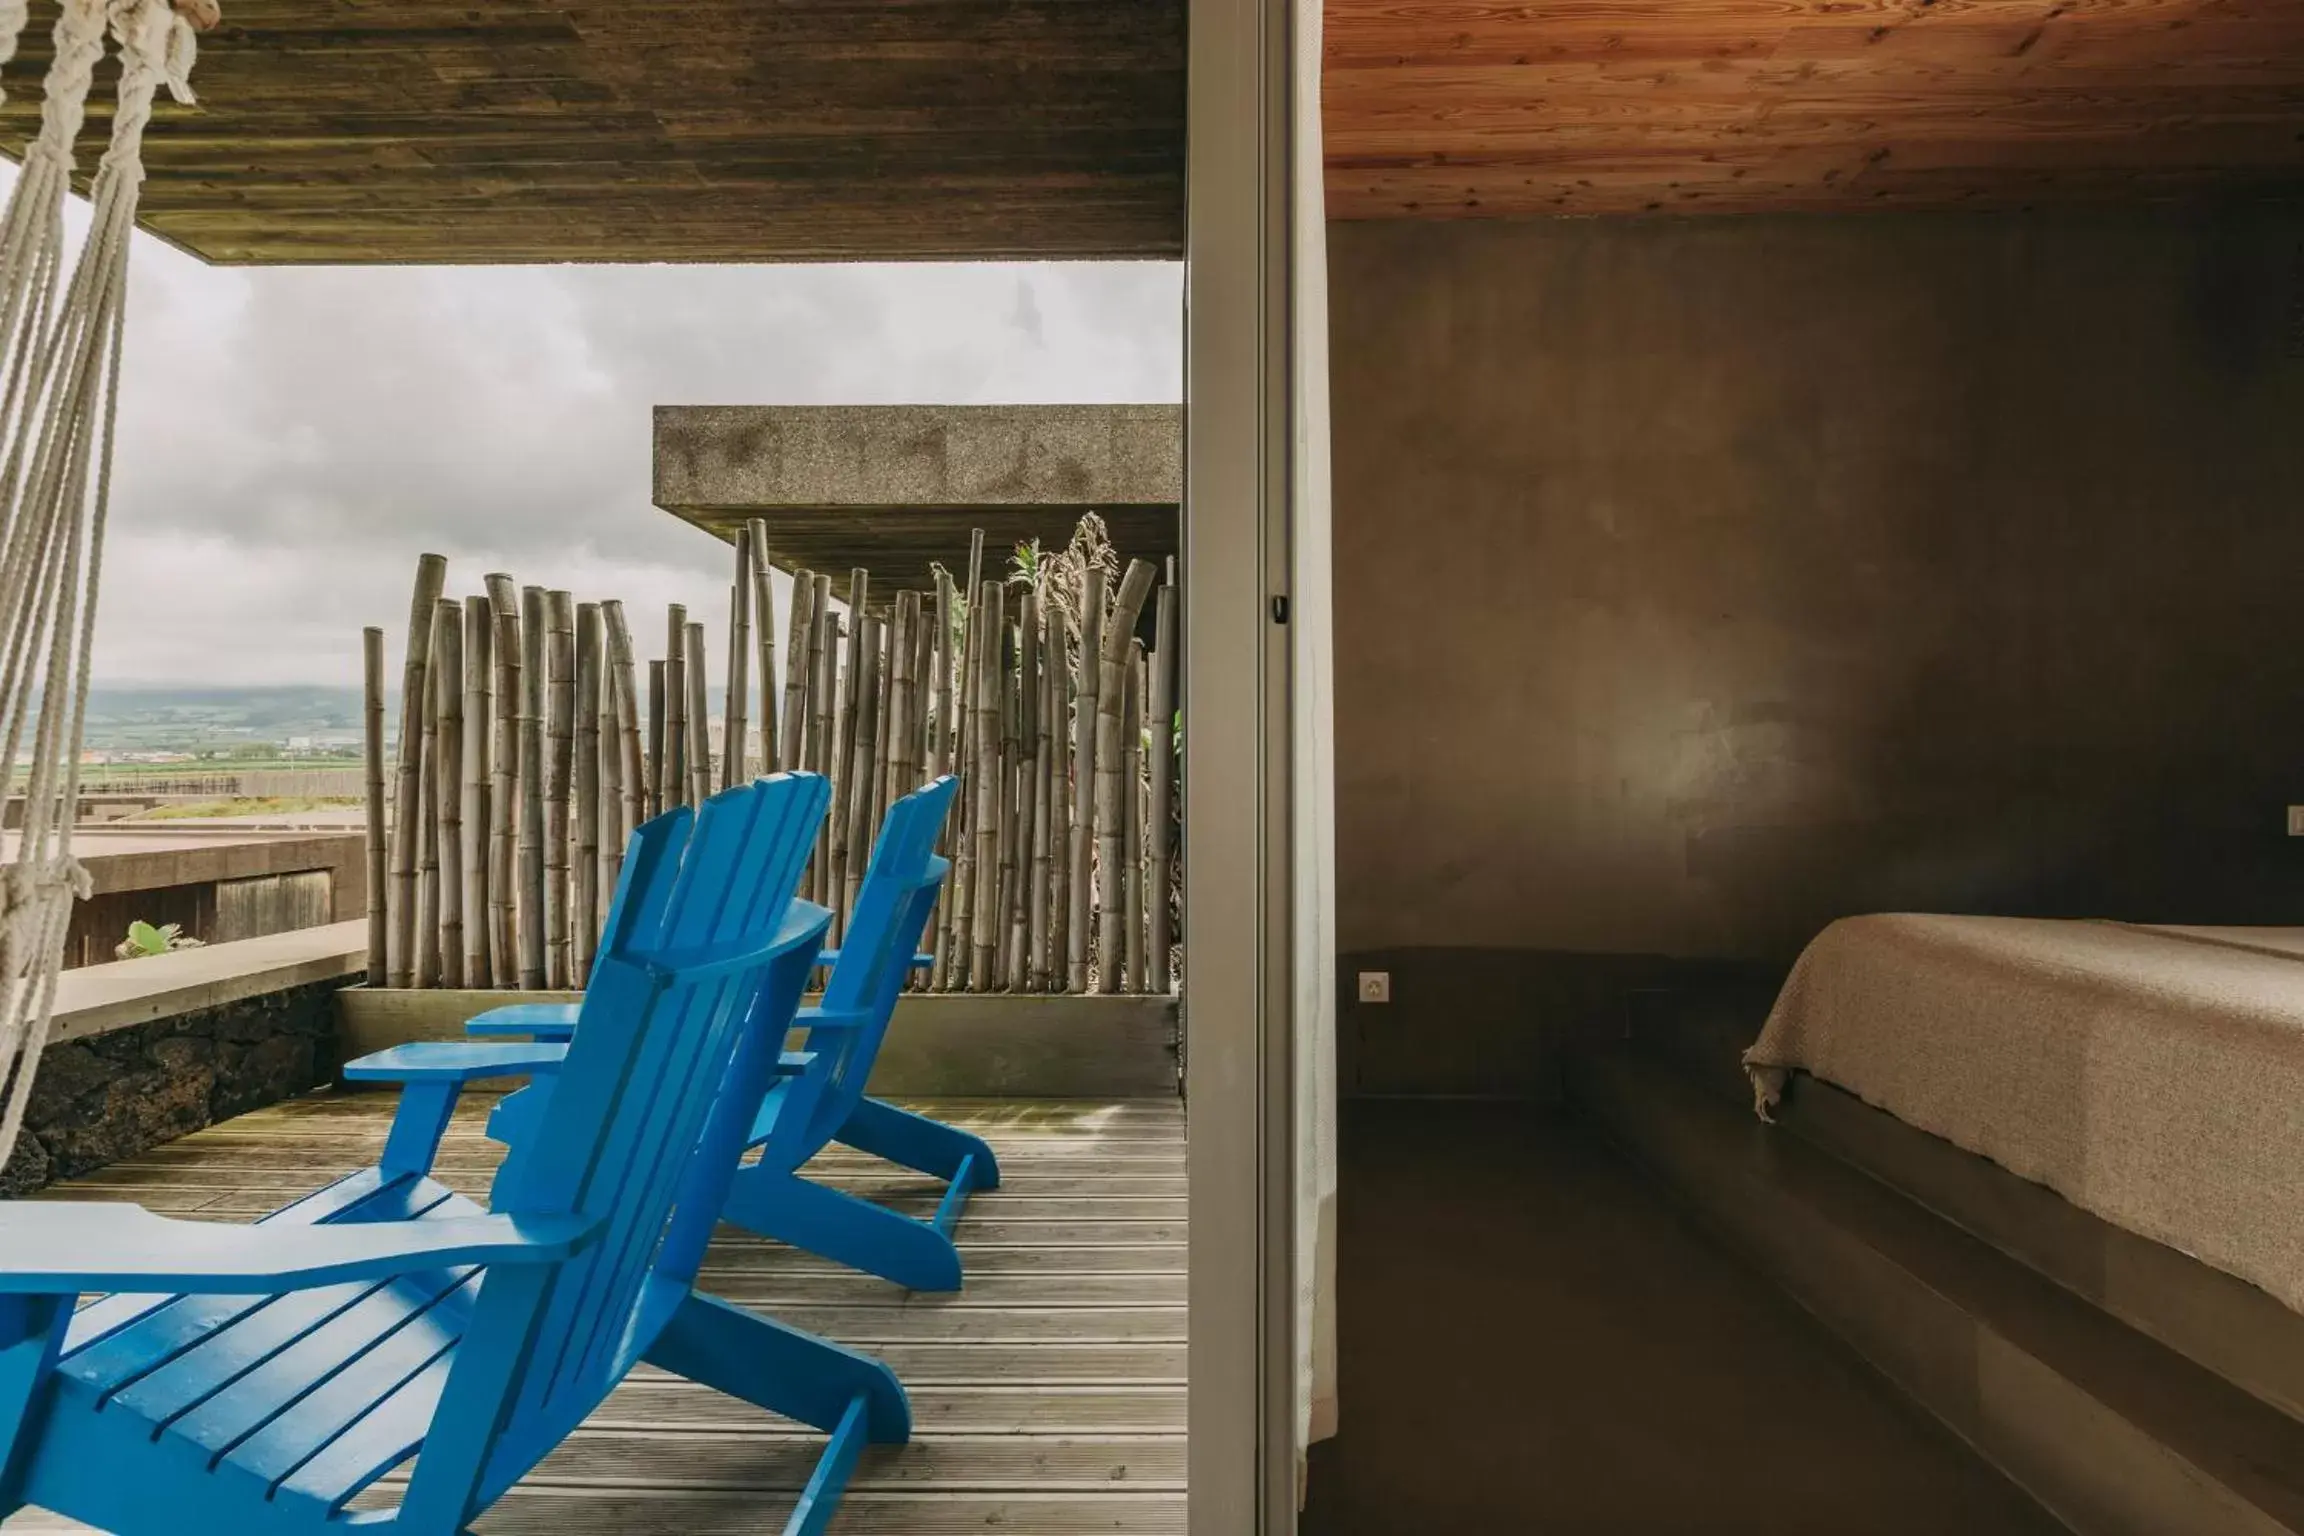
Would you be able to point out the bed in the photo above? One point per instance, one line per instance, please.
(2151, 1075)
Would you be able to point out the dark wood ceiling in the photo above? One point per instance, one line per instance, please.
(753, 130)
(1457, 108)
(665, 130)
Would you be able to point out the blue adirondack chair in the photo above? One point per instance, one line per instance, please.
(255, 1380)
(799, 1104)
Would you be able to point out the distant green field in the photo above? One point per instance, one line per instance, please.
(264, 805)
(132, 773)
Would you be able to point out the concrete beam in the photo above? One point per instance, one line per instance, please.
(937, 1046)
(892, 488)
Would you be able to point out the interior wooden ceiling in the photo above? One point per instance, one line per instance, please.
(1456, 108)
(664, 130)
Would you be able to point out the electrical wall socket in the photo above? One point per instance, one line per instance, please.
(1375, 986)
(2296, 821)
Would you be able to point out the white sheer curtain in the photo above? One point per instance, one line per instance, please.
(1311, 623)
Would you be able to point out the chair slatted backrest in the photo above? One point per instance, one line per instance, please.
(892, 908)
(650, 1051)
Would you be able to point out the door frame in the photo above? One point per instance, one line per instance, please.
(1240, 1069)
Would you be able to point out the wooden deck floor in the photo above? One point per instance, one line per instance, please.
(1047, 1396)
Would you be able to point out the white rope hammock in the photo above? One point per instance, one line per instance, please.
(59, 378)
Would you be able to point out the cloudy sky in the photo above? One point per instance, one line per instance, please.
(292, 438)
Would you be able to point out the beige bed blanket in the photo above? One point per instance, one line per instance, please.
(2154, 1076)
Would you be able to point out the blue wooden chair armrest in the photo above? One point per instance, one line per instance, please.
(832, 1018)
(434, 1073)
(54, 1248)
(457, 1061)
(832, 957)
(542, 1021)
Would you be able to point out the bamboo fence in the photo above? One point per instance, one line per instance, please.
(532, 743)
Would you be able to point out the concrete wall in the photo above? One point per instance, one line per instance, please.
(219, 884)
(1701, 581)
(111, 1096)
(144, 1051)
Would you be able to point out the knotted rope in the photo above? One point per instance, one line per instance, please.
(60, 359)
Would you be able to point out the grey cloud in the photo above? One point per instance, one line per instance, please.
(292, 438)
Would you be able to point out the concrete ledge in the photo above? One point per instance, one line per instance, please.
(938, 1046)
(1029, 1047)
(97, 999)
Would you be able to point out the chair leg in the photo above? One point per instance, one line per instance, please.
(31, 1336)
(773, 1366)
(843, 1228)
(917, 1142)
(417, 1126)
(820, 1500)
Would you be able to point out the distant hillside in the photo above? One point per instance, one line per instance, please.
(159, 717)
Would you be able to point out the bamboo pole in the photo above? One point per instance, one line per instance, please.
(904, 701)
(964, 708)
(428, 816)
(729, 735)
(659, 731)
(613, 828)
(1040, 919)
(984, 936)
(699, 721)
(907, 709)
(941, 745)
(820, 640)
(372, 768)
(675, 776)
(479, 845)
(407, 786)
(584, 910)
(1059, 806)
(735, 712)
(1016, 755)
(951, 972)
(864, 727)
(530, 900)
(821, 659)
(1081, 849)
(448, 784)
(940, 739)
(1162, 766)
(923, 661)
(504, 928)
(844, 744)
(959, 831)
(631, 769)
(764, 618)
(1111, 836)
(1132, 852)
(883, 645)
(560, 745)
(799, 672)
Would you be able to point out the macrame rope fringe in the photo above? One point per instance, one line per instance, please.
(60, 363)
